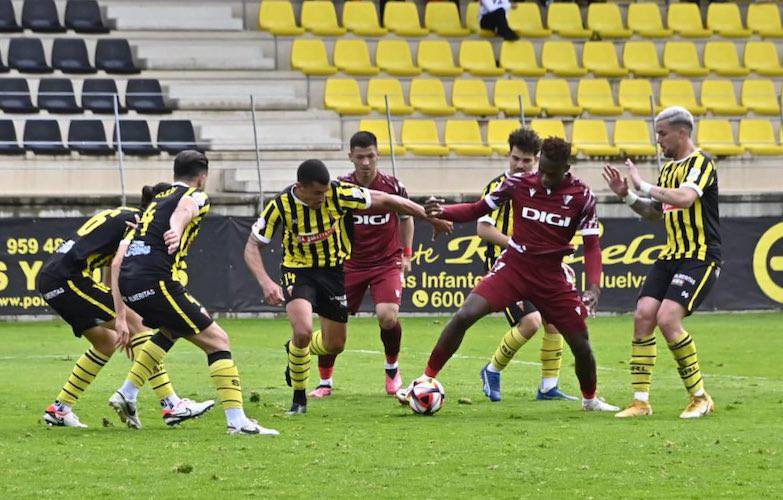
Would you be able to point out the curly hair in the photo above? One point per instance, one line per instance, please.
(556, 149)
(525, 139)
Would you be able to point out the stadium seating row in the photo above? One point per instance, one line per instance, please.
(552, 97)
(82, 16)
(89, 137)
(519, 58)
(565, 19)
(56, 95)
(69, 55)
(589, 137)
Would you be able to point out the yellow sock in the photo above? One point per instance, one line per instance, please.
(159, 380)
(643, 355)
(317, 345)
(299, 366)
(684, 351)
(84, 372)
(512, 342)
(146, 359)
(551, 355)
(225, 377)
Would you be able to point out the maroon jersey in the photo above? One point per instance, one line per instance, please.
(375, 233)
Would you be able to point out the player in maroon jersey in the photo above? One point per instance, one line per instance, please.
(380, 256)
(549, 207)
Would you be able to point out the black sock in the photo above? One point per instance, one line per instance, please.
(300, 397)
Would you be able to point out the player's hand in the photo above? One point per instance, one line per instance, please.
(406, 266)
(171, 238)
(433, 206)
(441, 226)
(273, 294)
(616, 182)
(123, 336)
(590, 299)
(633, 174)
(134, 224)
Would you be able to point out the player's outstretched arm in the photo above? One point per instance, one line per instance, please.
(461, 212)
(400, 205)
(120, 321)
(681, 197)
(184, 213)
(593, 268)
(490, 234)
(273, 294)
(647, 208)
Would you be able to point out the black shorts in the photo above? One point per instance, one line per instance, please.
(81, 301)
(685, 281)
(324, 288)
(165, 304)
(516, 312)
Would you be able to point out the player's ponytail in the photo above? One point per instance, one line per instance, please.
(149, 192)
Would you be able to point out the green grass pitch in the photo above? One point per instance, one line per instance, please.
(361, 443)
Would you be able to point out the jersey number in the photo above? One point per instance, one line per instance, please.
(147, 217)
(96, 220)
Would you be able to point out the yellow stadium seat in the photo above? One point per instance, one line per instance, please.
(381, 131)
(676, 92)
(498, 132)
(644, 19)
(685, 20)
(343, 96)
(722, 58)
(378, 88)
(428, 97)
(352, 57)
(641, 58)
(759, 97)
(319, 18)
(507, 94)
(470, 97)
(394, 57)
(360, 17)
(762, 58)
(764, 19)
(519, 58)
(478, 58)
(421, 137)
(549, 128)
(606, 20)
(277, 17)
(758, 138)
(634, 96)
(682, 58)
(590, 138)
(717, 138)
(601, 59)
(525, 20)
(719, 98)
(442, 18)
(402, 18)
(463, 137)
(566, 20)
(309, 57)
(472, 21)
(560, 58)
(435, 57)
(595, 97)
(632, 138)
(724, 19)
(554, 96)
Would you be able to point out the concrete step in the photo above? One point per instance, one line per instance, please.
(173, 16)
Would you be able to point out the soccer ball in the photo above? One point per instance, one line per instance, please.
(426, 396)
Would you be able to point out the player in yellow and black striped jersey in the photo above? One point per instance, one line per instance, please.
(686, 197)
(312, 215)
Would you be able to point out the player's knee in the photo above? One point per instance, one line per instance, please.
(301, 336)
(529, 325)
(336, 345)
(644, 319)
(669, 322)
(387, 320)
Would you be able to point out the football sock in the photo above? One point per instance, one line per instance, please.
(159, 380)
(317, 344)
(82, 375)
(225, 378)
(584, 362)
(148, 356)
(391, 338)
(299, 366)
(235, 417)
(325, 381)
(548, 383)
(391, 369)
(551, 357)
(683, 349)
(326, 365)
(511, 342)
(643, 355)
(300, 396)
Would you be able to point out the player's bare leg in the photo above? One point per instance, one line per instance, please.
(643, 356)
(391, 337)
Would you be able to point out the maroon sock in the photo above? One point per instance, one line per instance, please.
(391, 338)
(326, 365)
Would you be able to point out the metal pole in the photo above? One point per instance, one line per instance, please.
(119, 146)
(521, 110)
(652, 117)
(391, 135)
(258, 153)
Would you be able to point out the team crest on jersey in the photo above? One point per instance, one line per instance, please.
(532, 192)
(567, 199)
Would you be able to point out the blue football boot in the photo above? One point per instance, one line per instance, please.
(491, 382)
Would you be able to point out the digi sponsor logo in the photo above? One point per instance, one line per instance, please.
(371, 220)
(545, 217)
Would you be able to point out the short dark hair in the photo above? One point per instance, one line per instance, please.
(189, 164)
(363, 139)
(149, 192)
(556, 149)
(526, 140)
(312, 171)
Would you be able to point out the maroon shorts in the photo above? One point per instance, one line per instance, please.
(385, 284)
(540, 279)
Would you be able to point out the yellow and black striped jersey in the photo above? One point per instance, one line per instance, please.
(93, 245)
(502, 218)
(312, 237)
(147, 255)
(692, 233)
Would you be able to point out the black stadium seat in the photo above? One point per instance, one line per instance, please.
(88, 137)
(8, 143)
(136, 140)
(43, 137)
(69, 55)
(55, 95)
(113, 55)
(15, 96)
(144, 95)
(8, 22)
(176, 135)
(84, 16)
(27, 56)
(41, 16)
(98, 95)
